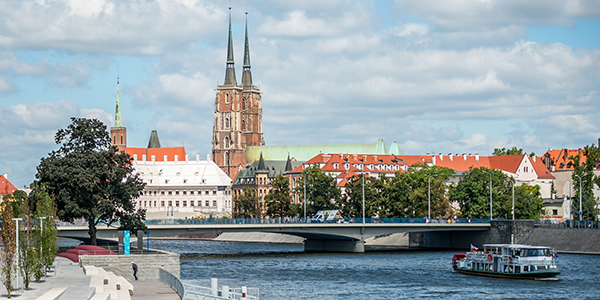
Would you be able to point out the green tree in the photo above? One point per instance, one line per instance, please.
(351, 203)
(322, 192)
(45, 228)
(512, 151)
(247, 204)
(90, 179)
(279, 199)
(28, 256)
(528, 202)
(473, 193)
(394, 200)
(583, 172)
(8, 231)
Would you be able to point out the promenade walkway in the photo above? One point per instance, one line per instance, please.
(68, 274)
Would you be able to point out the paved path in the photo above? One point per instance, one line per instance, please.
(69, 274)
(153, 289)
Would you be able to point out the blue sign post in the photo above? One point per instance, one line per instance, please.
(126, 242)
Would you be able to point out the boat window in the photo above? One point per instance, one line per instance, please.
(534, 252)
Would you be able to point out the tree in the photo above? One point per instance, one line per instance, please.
(28, 254)
(9, 240)
(473, 193)
(45, 230)
(90, 179)
(351, 204)
(430, 180)
(322, 192)
(247, 204)
(583, 172)
(279, 200)
(528, 202)
(512, 151)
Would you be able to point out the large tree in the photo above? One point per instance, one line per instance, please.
(279, 199)
(322, 192)
(473, 193)
(512, 151)
(91, 179)
(583, 173)
(351, 203)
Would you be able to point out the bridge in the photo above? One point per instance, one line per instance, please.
(347, 236)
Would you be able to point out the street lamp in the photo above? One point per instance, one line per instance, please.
(429, 196)
(491, 209)
(580, 208)
(363, 195)
(41, 236)
(513, 200)
(17, 244)
(304, 180)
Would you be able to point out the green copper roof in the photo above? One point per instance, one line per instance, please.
(306, 152)
(118, 122)
(153, 142)
(395, 148)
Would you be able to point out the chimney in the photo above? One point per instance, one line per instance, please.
(5, 176)
(208, 157)
(144, 157)
(579, 152)
(187, 157)
(176, 157)
(477, 156)
(135, 157)
(534, 158)
(153, 158)
(465, 156)
(450, 156)
(197, 157)
(166, 158)
(433, 160)
(441, 157)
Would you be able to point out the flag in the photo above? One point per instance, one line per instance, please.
(473, 248)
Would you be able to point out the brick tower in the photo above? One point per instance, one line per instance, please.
(118, 133)
(238, 114)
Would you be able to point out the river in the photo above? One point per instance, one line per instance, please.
(284, 271)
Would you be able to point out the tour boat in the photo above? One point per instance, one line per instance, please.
(508, 261)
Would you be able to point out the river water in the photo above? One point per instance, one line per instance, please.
(283, 271)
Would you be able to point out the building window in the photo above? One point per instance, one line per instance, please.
(162, 203)
(170, 203)
(227, 158)
(162, 193)
(191, 192)
(206, 192)
(177, 203)
(192, 203)
(206, 203)
(555, 212)
(176, 192)
(214, 192)
(226, 98)
(226, 142)
(121, 139)
(170, 193)
(214, 202)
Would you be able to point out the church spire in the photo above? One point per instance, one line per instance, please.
(230, 71)
(246, 75)
(118, 122)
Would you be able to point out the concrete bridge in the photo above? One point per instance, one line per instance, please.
(319, 237)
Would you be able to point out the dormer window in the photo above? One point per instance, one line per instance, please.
(336, 166)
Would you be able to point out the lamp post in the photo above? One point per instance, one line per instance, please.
(41, 235)
(580, 212)
(304, 180)
(513, 200)
(363, 195)
(17, 244)
(491, 209)
(429, 196)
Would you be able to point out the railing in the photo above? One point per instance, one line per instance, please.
(567, 224)
(194, 292)
(228, 221)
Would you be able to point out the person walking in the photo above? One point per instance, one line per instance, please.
(135, 269)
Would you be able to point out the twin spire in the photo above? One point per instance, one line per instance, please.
(230, 71)
(118, 122)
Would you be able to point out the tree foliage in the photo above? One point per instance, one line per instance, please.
(247, 204)
(28, 254)
(322, 192)
(90, 179)
(512, 151)
(45, 228)
(9, 243)
(279, 200)
(583, 173)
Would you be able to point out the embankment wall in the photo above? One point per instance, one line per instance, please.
(148, 264)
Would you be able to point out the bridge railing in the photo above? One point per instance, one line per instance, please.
(547, 223)
(257, 221)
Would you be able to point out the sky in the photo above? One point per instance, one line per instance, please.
(452, 76)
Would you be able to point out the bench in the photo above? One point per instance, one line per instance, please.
(90, 270)
(53, 294)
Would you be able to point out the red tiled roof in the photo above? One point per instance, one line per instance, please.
(540, 168)
(159, 153)
(561, 158)
(6, 188)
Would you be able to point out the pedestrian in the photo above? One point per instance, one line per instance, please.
(135, 269)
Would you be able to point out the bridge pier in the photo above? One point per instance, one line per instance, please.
(357, 246)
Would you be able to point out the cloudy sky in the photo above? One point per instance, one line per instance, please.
(437, 76)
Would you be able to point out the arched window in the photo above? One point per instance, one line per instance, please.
(244, 104)
(226, 98)
(226, 122)
(243, 124)
(227, 158)
(114, 139)
(121, 139)
(226, 142)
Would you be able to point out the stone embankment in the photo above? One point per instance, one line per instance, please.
(567, 240)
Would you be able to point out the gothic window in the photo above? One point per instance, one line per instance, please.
(226, 142)
(121, 139)
(226, 98)
(226, 122)
(114, 139)
(243, 124)
(244, 104)
(226, 159)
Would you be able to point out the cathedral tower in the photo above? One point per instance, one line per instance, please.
(238, 114)
(118, 133)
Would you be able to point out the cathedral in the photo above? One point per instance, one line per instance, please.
(238, 114)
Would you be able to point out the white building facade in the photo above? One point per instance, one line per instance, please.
(197, 186)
